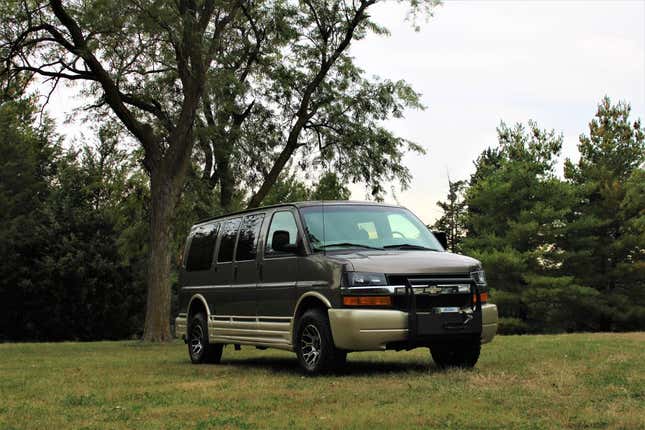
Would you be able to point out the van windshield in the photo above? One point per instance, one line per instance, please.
(366, 227)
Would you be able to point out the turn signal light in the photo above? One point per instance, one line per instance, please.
(483, 296)
(367, 300)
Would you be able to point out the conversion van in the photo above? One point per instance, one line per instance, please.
(323, 279)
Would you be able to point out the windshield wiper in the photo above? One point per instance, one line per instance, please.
(408, 246)
(347, 245)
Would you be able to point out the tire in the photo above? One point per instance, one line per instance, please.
(199, 349)
(463, 355)
(314, 344)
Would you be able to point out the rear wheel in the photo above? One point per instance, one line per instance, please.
(464, 355)
(199, 349)
(314, 344)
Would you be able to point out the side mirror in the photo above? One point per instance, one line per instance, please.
(442, 238)
(280, 242)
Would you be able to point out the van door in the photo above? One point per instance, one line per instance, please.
(245, 267)
(276, 292)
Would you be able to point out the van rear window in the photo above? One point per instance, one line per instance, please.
(202, 245)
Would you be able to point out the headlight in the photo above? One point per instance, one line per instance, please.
(363, 279)
(479, 277)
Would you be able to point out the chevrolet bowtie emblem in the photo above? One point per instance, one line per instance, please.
(432, 290)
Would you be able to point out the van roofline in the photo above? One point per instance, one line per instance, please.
(300, 204)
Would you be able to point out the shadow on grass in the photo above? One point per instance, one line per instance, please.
(352, 368)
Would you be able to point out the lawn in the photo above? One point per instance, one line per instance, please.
(578, 381)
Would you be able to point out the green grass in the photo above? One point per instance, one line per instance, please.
(581, 381)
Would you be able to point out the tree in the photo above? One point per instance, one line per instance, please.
(603, 242)
(148, 62)
(454, 211)
(290, 189)
(516, 209)
(145, 62)
(61, 275)
(296, 93)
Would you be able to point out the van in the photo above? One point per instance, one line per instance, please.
(325, 278)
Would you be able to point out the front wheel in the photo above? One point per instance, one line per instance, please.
(199, 349)
(314, 344)
(464, 355)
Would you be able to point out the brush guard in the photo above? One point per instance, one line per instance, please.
(453, 323)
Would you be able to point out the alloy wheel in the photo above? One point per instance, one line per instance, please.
(196, 335)
(310, 342)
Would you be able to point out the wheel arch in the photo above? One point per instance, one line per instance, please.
(197, 303)
(308, 300)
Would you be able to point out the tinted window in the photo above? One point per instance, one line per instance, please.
(202, 245)
(247, 243)
(281, 221)
(227, 243)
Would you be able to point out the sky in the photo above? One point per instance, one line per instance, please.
(479, 62)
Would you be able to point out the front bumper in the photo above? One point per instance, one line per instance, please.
(374, 329)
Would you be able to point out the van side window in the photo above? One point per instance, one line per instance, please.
(227, 243)
(202, 246)
(247, 242)
(281, 221)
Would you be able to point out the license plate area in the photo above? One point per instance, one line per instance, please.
(434, 323)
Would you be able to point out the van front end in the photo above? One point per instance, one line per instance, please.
(382, 311)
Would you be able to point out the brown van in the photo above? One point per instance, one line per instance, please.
(326, 278)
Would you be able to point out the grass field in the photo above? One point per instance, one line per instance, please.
(581, 381)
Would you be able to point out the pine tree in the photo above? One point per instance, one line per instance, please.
(604, 235)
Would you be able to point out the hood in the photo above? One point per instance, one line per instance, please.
(408, 262)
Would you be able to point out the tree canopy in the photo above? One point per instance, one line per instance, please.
(561, 253)
(253, 83)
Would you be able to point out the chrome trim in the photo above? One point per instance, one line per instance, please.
(312, 284)
(276, 284)
(250, 317)
(206, 287)
(418, 289)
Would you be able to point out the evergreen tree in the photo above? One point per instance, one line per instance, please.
(61, 273)
(516, 207)
(604, 235)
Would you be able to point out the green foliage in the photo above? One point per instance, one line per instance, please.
(561, 255)
(604, 239)
(61, 275)
(516, 208)
(290, 189)
(289, 90)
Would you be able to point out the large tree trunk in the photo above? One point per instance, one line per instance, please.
(226, 181)
(163, 203)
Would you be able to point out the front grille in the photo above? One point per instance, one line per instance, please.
(433, 291)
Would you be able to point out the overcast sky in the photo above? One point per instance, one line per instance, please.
(479, 62)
